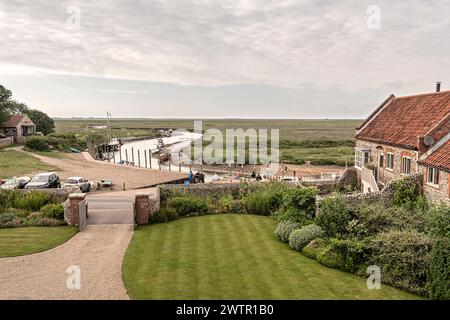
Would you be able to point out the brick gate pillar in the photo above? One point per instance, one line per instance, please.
(142, 204)
(73, 201)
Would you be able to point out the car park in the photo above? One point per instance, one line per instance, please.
(79, 182)
(44, 181)
(15, 183)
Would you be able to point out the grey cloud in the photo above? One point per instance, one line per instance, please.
(285, 43)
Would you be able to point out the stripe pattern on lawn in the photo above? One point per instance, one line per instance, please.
(232, 257)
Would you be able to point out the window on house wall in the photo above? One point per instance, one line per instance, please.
(381, 160)
(433, 176)
(390, 161)
(406, 165)
(361, 158)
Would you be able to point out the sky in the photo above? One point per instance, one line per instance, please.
(221, 58)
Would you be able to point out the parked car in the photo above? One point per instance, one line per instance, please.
(15, 183)
(44, 181)
(80, 182)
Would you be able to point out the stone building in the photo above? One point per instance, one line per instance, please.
(435, 165)
(18, 126)
(397, 135)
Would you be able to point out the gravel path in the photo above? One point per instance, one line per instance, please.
(98, 251)
(77, 164)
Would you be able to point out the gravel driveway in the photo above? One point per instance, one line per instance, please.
(98, 251)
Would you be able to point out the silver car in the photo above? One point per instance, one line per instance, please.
(15, 183)
(78, 182)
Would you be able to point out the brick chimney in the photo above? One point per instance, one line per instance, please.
(438, 86)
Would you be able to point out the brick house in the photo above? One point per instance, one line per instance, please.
(18, 126)
(435, 165)
(399, 133)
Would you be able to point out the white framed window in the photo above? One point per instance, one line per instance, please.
(433, 176)
(406, 165)
(390, 161)
(361, 157)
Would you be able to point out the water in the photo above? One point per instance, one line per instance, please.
(138, 151)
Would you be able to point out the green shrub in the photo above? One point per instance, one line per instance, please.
(37, 219)
(32, 201)
(276, 191)
(6, 217)
(302, 237)
(328, 258)
(439, 270)
(258, 203)
(403, 258)
(238, 206)
(438, 221)
(293, 215)
(187, 205)
(351, 255)
(55, 211)
(37, 143)
(285, 228)
(225, 204)
(8, 198)
(163, 215)
(315, 247)
(303, 199)
(405, 194)
(20, 213)
(334, 217)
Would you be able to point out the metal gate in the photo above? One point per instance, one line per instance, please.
(82, 214)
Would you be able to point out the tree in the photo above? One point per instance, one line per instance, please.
(8, 107)
(5, 94)
(43, 122)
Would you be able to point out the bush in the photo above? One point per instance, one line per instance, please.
(55, 211)
(285, 228)
(258, 203)
(315, 247)
(225, 204)
(351, 254)
(404, 194)
(439, 270)
(276, 191)
(302, 237)
(186, 205)
(238, 206)
(403, 258)
(32, 201)
(20, 213)
(37, 219)
(334, 217)
(163, 215)
(293, 215)
(438, 221)
(6, 217)
(37, 143)
(303, 199)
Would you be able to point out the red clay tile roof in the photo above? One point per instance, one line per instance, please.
(401, 120)
(13, 121)
(440, 158)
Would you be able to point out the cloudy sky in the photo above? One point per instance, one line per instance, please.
(221, 58)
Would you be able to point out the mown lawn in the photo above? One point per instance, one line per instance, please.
(15, 163)
(21, 241)
(232, 257)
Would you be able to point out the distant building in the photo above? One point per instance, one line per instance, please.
(18, 126)
(405, 135)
